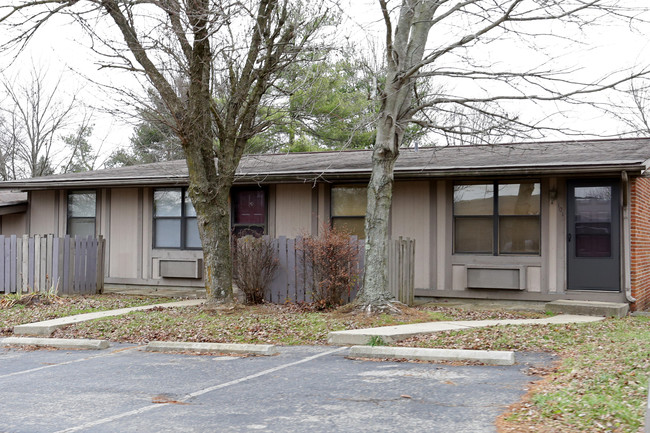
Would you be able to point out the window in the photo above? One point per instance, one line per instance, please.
(174, 220)
(248, 211)
(593, 221)
(349, 208)
(82, 209)
(497, 218)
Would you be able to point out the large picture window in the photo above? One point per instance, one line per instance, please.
(349, 208)
(497, 218)
(174, 220)
(82, 210)
(248, 211)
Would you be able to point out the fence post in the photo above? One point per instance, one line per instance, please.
(100, 265)
(412, 272)
(25, 261)
(12, 256)
(6, 244)
(42, 247)
(66, 264)
(35, 263)
(79, 266)
(308, 274)
(91, 251)
(300, 270)
(283, 270)
(291, 270)
(273, 288)
(56, 262)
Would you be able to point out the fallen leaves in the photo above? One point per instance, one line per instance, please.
(36, 307)
(165, 399)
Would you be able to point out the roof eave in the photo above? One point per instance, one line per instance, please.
(304, 176)
(93, 183)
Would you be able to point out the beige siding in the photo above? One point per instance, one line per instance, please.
(323, 206)
(147, 230)
(443, 237)
(43, 213)
(124, 233)
(410, 218)
(14, 224)
(293, 209)
(534, 279)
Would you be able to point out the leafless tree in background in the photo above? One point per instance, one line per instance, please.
(632, 109)
(33, 115)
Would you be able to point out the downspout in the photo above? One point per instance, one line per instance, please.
(627, 251)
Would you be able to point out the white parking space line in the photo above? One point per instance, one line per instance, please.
(59, 364)
(199, 392)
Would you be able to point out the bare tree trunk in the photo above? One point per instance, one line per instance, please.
(375, 295)
(209, 192)
(380, 194)
(214, 228)
(402, 52)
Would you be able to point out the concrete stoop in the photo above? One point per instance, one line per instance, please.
(588, 308)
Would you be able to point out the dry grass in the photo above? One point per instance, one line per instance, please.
(289, 324)
(29, 308)
(600, 385)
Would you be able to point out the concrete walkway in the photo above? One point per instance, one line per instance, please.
(391, 334)
(47, 327)
(360, 337)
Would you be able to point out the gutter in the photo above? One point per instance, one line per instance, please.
(627, 249)
(327, 174)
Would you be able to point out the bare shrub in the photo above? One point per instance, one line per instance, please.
(331, 261)
(254, 264)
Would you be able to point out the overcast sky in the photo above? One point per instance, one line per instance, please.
(60, 49)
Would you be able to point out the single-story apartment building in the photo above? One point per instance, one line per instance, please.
(529, 221)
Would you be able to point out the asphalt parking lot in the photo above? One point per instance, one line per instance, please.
(303, 389)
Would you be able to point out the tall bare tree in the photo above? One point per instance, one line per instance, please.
(227, 54)
(445, 41)
(34, 115)
(631, 109)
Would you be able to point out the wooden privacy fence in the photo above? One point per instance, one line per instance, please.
(41, 263)
(291, 280)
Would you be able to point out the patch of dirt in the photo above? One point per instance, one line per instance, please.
(165, 399)
(527, 417)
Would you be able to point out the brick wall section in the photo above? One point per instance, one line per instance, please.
(640, 257)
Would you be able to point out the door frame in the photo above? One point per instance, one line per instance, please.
(597, 268)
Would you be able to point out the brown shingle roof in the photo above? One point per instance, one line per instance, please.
(505, 159)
